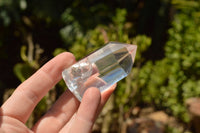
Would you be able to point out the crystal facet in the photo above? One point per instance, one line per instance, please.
(100, 69)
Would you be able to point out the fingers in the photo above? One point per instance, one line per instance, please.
(63, 110)
(29, 93)
(105, 96)
(60, 113)
(91, 105)
(11, 125)
(85, 117)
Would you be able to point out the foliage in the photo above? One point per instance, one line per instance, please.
(168, 83)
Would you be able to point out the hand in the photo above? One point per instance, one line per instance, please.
(67, 115)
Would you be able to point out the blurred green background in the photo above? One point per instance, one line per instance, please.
(166, 70)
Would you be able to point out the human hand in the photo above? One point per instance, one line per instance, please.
(67, 115)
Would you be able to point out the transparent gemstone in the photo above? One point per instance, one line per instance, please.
(100, 69)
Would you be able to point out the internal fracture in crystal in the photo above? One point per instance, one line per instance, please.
(100, 69)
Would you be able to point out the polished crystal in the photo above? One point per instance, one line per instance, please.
(100, 69)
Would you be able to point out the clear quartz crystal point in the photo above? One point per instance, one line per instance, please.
(100, 69)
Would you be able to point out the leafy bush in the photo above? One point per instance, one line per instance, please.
(168, 83)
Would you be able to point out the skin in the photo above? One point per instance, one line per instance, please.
(66, 115)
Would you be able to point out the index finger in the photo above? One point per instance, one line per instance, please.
(30, 92)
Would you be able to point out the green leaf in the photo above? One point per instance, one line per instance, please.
(23, 71)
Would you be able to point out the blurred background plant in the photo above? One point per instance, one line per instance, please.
(166, 69)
